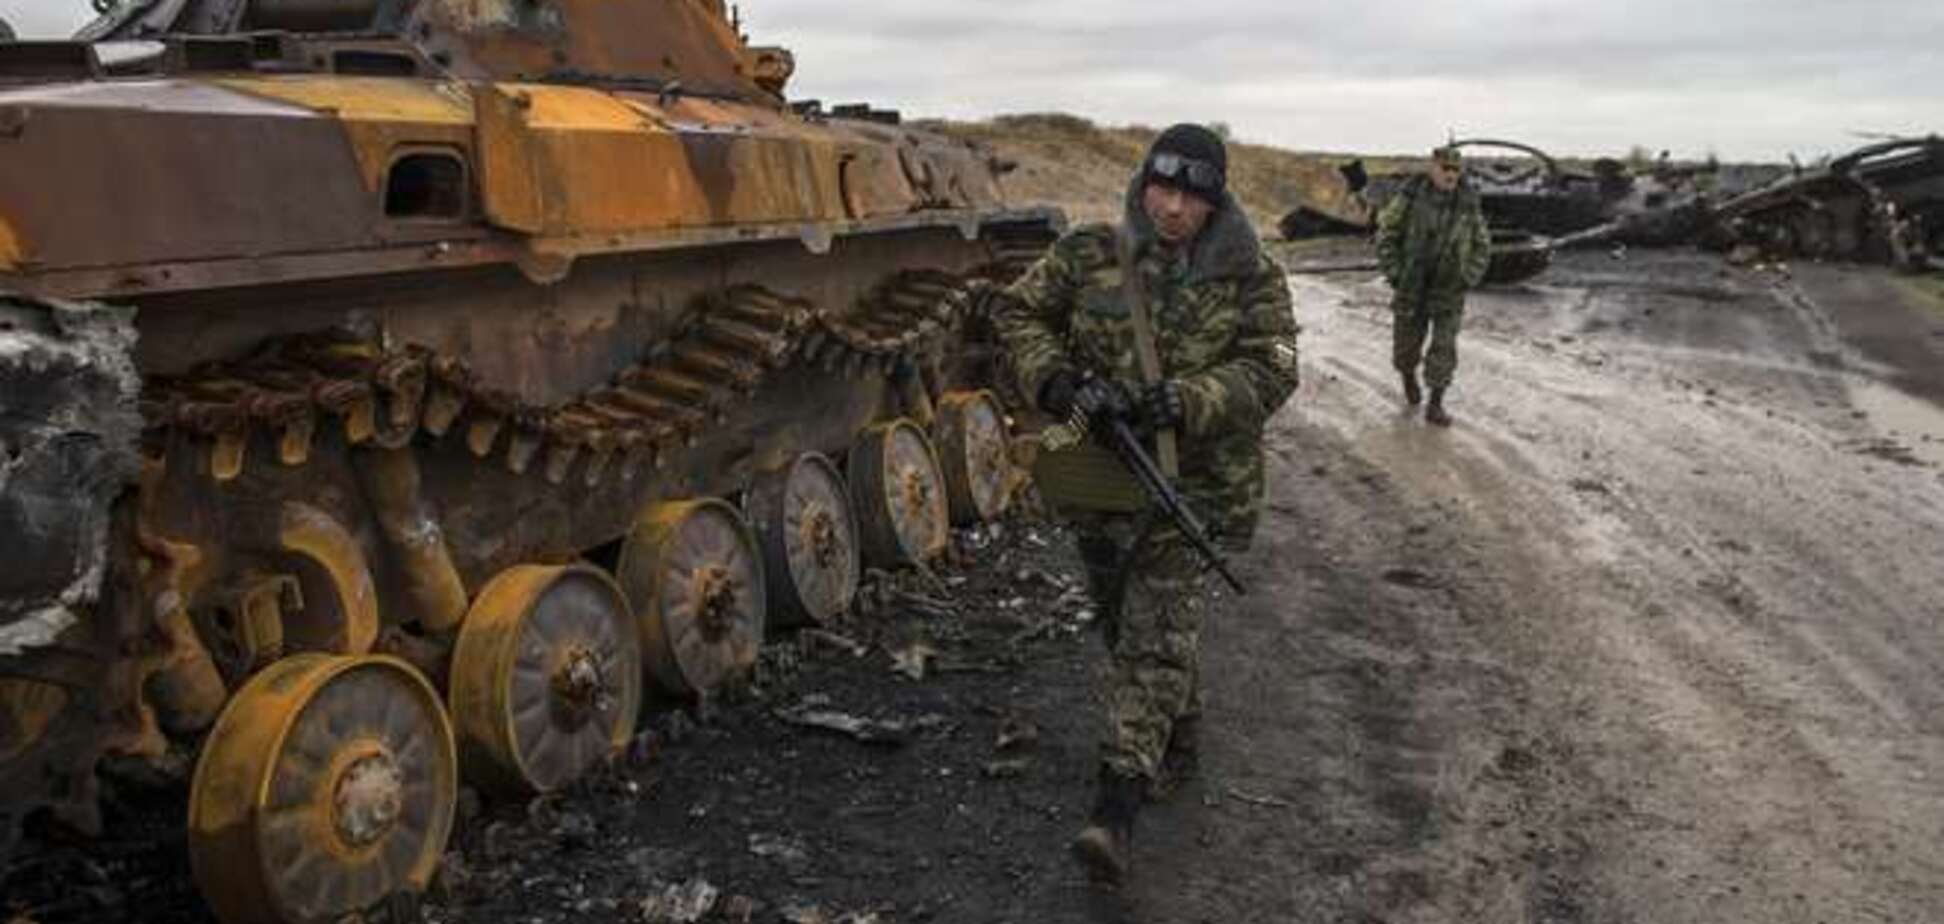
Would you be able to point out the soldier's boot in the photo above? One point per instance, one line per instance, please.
(1435, 411)
(1412, 394)
(1106, 845)
(1180, 763)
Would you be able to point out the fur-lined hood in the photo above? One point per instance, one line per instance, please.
(1227, 247)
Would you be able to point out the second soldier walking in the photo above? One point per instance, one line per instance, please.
(1432, 246)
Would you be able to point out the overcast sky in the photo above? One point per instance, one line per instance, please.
(1747, 79)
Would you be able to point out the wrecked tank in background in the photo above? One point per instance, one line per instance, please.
(1881, 203)
(1338, 208)
(1533, 192)
(1516, 256)
(491, 364)
(1659, 204)
(1523, 205)
(1535, 205)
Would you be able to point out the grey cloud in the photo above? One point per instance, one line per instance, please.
(1745, 78)
(45, 18)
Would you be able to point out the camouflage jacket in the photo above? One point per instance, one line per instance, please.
(1432, 246)
(1223, 326)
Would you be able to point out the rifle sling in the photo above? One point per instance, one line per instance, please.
(1134, 291)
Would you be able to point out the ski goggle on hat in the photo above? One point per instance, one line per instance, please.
(1194, 174)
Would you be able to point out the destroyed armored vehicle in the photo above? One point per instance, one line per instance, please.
(1533, 192)
(1537, 205)
(1880, 203)
(1511, 200)
(398, 392)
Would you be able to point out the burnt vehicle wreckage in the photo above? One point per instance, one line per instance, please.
(396, 393)
(1524, 201)
(1883, 203)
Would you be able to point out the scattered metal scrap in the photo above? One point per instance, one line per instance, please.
(1262, 801)
(683, 903)
(814, 711)
(911, 660)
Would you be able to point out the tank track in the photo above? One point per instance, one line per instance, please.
(384, 397)
(290, 389)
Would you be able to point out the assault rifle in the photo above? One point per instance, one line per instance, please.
(1128, 447)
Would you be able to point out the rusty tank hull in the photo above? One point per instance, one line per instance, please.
(486, 364)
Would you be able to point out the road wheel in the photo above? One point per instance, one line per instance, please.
(972, 453)
(809, 537)
(899, 494)
(693, 574)
(546, 677)
(326, 787)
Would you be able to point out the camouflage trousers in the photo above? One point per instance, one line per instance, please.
(1151, 611)
(1408, 333)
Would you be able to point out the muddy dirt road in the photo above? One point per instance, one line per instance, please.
(1651, 635)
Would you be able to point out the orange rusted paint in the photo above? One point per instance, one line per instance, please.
(972, 447)
(510, 190)
(900, 493)
(296, 809)
(317, 536)
(27, 708)
(639, 122)
(694, 576)
(609, 276)
(595, 162)
(546, 677)
(9, 246)
(378, 114)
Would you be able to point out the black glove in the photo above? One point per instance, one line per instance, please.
(1068, 394)
(1163, 407)
(1056, 393)
(1100, 399)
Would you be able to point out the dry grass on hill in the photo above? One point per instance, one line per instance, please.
(1070, 162)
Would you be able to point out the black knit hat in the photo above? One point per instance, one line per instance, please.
(1199, 164)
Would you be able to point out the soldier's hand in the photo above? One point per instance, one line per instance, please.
(1163, 407)
(1100, 399)
(1056, 393)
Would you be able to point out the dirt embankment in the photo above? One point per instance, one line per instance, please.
(1083, 168)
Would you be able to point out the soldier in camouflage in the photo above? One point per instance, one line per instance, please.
(1225, 335)
(1432, 245)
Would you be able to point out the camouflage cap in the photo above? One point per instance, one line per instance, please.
(1447, 154)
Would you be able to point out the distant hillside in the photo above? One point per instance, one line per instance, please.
(1070, 162)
